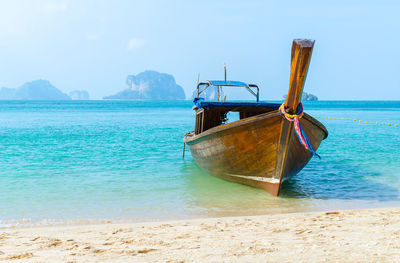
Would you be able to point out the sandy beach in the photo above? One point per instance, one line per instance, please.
(370, 235)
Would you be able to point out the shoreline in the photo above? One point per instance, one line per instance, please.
(329, 205)
(353, 235)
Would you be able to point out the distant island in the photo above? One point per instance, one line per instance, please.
(79, 95)
(40, 90)
(150, 85)
(35, 90)
(305, 97)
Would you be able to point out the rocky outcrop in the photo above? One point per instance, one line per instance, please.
(79, 95)
(309, 97)
(150, 85)
(305, 97)
(35, 90)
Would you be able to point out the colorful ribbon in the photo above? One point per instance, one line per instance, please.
(297, 126)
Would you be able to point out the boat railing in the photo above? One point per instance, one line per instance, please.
(252, 88)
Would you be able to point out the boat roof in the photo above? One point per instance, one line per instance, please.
(218, 104)
(226, 83)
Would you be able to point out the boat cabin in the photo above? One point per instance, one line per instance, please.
(210, 114)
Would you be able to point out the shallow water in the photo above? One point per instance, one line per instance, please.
(94, 160)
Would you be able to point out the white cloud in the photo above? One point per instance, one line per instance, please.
(135, 43)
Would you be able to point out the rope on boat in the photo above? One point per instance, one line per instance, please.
(297, 126)
(197, 102)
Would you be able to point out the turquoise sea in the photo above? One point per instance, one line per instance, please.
(88, 161)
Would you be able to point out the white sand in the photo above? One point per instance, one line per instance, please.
(344, 236)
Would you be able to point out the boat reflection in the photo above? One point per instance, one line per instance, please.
(208, 196)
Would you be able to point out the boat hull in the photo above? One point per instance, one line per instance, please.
(260, 151)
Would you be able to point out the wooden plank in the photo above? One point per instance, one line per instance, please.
(300, 60)
(301, 55)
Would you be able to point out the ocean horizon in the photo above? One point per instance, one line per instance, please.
(89, 161)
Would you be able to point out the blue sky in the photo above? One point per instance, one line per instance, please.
(94, 45)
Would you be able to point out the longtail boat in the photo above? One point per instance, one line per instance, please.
(269, 143)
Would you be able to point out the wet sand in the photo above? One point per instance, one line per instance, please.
(368, 235)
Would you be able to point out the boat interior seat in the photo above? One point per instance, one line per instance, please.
(214, 113)
(238, 105)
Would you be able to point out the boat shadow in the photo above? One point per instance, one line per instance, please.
(340, 182)
(316, 182)
(209, 196)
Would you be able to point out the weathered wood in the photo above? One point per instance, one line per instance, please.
(261, 149)
(301, 55)
(246, 151)
(286, 134)
(300, 60)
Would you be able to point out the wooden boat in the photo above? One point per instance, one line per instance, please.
(261, 149)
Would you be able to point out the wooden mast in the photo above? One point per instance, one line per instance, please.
(301, 55)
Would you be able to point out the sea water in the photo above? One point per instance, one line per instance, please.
(80, 161)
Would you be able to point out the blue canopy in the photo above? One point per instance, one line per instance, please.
(227, 83)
